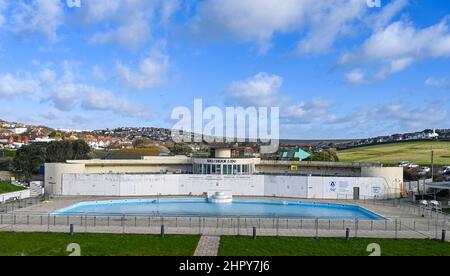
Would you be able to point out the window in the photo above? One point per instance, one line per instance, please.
(218, 169)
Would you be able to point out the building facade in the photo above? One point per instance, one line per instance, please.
(170, 175)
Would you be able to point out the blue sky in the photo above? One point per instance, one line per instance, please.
(336, 68)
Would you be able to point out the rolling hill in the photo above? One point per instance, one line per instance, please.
(390, 154)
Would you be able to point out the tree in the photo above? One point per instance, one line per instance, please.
(181, 149)
(80, 150)
(58, 152)
(29, 158)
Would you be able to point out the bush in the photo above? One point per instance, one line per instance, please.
(325, 156)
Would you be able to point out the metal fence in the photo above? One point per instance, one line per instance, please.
(411, 221)
(20, 204)
(277, 226)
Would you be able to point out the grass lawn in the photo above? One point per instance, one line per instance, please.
(55, 244)
(391, 154)
(6, 187)
(282, 246)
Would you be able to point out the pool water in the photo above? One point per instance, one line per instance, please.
(201, 207)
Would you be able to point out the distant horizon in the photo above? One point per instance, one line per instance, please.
(281, 138)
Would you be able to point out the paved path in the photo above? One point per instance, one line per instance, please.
(208, 246)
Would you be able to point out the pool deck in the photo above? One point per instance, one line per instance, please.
(412, 225)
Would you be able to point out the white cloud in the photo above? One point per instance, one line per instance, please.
(66, 96)
(318, 24)
(3, 4)
(318, 111)
(127, 22)
(48, 76)
(328, 21)
(13, 86)
(131, 35)
(98, 73)
(260, 90)
(103, 100)
(152, 71)
(42, 16)
(387, 13)
(355, 76)
(438, 82)
(401, 44)
(398, 117)
(250, 21)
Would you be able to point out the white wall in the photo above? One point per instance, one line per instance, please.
(20, 194)
(240, 185)
(392, 176)
(286, 186)
(253, 185)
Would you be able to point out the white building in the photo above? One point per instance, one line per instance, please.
(181, 175)
(19, 130)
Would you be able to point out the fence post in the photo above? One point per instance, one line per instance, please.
(443, 235)
(238, 226)
(278, 227)
(254, 233)
(347, 234)
(71, 231)
(317, 228)
(396, 233)
(162, 231)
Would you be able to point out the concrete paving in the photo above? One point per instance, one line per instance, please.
(208, 246)
(401, 221)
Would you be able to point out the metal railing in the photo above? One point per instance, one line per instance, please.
(20, 204)
(275, 226)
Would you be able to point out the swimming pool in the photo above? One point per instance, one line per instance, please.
(201, 207)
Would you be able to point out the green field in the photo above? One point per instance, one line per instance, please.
(6, 187)
(273, 246)
(52, 244)
(391, 154)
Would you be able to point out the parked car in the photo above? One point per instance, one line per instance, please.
(445, 170)
(413, 166)
(424, 170)
(403, 164)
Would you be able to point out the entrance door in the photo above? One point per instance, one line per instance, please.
(356, 193)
